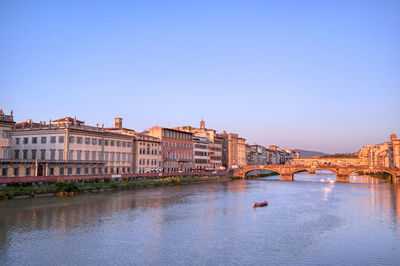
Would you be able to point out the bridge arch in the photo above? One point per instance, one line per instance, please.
(312, 169)
(243, 171)
(368, 170)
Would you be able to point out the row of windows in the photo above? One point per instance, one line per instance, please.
(149, 162)
(148, 144)
(178, 155)
(200, 146)
(75, 155)
(34, 140)
(79, 140)
(177, 145)
(176, 135)
(69, 171)
(203, 161)
(200, 153)
(149, 151)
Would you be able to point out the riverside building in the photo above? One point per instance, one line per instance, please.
(147, 157)
(200, 153)
(6, 125)
(69, 147)
(177, 149)
(214, 144)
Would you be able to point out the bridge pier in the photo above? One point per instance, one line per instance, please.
(342, 178)
(286, 177)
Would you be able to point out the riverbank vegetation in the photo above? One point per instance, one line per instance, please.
(341, 155)
(262, 175)
(71, 187)
(379, 175)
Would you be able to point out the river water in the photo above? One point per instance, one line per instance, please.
(312, 220)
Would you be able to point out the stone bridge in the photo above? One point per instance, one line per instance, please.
(342, 172)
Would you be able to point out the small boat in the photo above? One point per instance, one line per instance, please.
(260, 204)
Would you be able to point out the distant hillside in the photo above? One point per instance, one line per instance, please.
(309, 154)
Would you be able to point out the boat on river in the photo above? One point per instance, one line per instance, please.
(260, 204)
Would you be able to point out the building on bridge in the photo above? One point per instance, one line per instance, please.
(386, 154)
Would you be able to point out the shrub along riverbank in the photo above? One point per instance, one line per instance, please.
(262, 175)
(68, 188)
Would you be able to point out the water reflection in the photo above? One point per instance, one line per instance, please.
(307, 221)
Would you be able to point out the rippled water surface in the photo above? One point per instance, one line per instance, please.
(312, 220)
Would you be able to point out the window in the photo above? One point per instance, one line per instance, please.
(61, 170)
(16, 171)
(111, 143)
(70, 170)
(60, 155)
(7, 134)
(106, 156)
(25, 154)
(87, 155)
(34, 140)
(79, 140)
(60, 139)
(33, 154)
(79, 155)
(43, 140)
(100, 142)
(71, 139)
(26, 140)
(52, 154)
(6, 153)
(87, 140)
(78, 171)
(17, 141)
(93, 170)
(43, 154)
(112, 156)
(27, 171)
(16, 154)
(118, 156)
(94, 141)
(124, 144)
(118, 143)
(4, 171)
(71, 155)
(52, 139)
(51, 171)
(93, 155)
(106, 142)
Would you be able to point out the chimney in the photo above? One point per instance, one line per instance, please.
(118, 122)
(393, 137)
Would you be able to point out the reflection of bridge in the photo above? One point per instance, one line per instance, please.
(342, 172)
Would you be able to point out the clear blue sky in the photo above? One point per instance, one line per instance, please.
(317, 75)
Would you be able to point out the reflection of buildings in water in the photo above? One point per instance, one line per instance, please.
(395, 200)
(384, 198)
(237, 187)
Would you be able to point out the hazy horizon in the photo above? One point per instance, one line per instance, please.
(313, 75)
